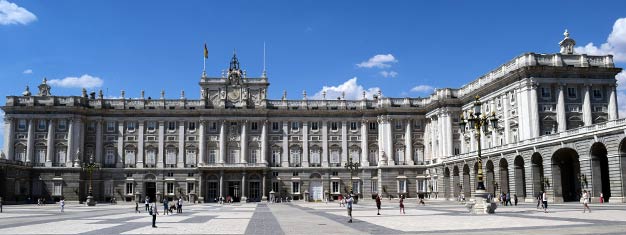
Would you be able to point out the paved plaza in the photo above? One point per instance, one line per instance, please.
(437, 217)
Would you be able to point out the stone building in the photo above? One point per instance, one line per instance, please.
(558, 131)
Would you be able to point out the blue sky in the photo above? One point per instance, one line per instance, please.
(404, 48)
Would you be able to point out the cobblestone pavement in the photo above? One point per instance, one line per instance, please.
(437, 217)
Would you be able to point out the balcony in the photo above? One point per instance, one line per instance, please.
(190, 165)
(39, 164)
(58, 164)
(335, 164)
(150, 165)
(401, 163)
(130, 166)
(170, 165)
(294, 165)
(315, 164)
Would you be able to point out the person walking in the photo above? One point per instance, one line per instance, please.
(586, 201)
(180, 205)
(539, 201)
(601, 197)
(153, 212)
(147, 202)
(165, 206)
(137, 207)
(340, 199)
(508, 199)
(544, 199)
(515, 199)
(62, 203)
(402, 204)
(378, 202)
(349, 201)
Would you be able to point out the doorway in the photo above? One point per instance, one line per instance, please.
(212, 191)
(254, 193)
(151, 191)
(234, 188)
(317, 191)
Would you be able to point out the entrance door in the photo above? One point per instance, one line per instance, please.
(317, 192)
(151, 191)
(254, 193)
(234, 190)
(212, 191)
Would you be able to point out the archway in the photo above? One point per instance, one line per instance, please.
(600, 171)
(622, 158)
(490, 180)
(467, 191)
(504, 175)
(446, 183)
(456, 182)
(536, 167)
(475, 175)
(565, 172)
(520, 176)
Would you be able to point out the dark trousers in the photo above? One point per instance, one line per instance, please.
(153, 219)
(147, 207)
(180, 208)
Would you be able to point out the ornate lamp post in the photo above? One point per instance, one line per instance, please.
(479, 123)
(352, 167)
(89, 168)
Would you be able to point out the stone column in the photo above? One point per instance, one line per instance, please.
(364, 146)
(344, 142)
(264, 196)
(140, 143)
(587, 118)
(70, 143)
(534, 111)
(120, 144)
(284, 160)
(161, 154)
(30, 147)
(81, 142)
(9, 137)
(408, 143)
(244, 142)
(264, 142)
(449, 147)
(494, 132)
(389, 141)
(221, 183)
(507, 128)
(222, 142)
(50, 143)
(243, 187)
(202, 143)
(99, 141)
(324, 143)
(560, 109)
(305, 144)
(613, 114)
(181, 145)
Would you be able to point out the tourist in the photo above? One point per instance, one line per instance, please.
(340, 199)
(422, 201)
(508, 199)
(539, 201)
(137, 207)
(62, 203)
(147, 202)
(349, 201)
(601, 197)
(402, 204)
(586, 201)
(165, 206)
(515, 199)
(180, 205)
(153, 212)
(378, 202)
(544, 198)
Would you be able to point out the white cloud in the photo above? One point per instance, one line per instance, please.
(85, 81)
(11, 13)
(614, 45)
(378, 61)
(28, 71)
(389, 74)
(351, 88)
(422, 88)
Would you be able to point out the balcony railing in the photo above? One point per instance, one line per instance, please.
(294, 164)
(58, 164)
(130, 166)
(315, 164)
(335, 164)
(170, 165)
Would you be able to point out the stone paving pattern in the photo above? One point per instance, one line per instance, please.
(437, 217)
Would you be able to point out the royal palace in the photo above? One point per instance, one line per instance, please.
(557, 129)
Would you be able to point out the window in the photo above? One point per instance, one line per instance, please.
(295, 126)
(398, 124)
(108, 188)
(151, 126)
(373, 126)
(275, 157)
(315, 156)
(41, 125)
(275, 187)
(401, 186)
(597, 94)
(334, 173)
(170, 174)
(334, 126)
(191, 126)
(213, 126)
(110, 126)
(130, 157)
(571, 92)
(129, 175)
(129, 188)
(355, 155)
(512, 97)
(373, 155)
(233, 156)
(60, 155)
(254, 154)
(295, 173)
(151, 157)
(275, 126)
(335, 187)
(275, 173)
(212, 156)
(295, 187)
(399, 156)
(170, 156)
(374, 186)
(110, 156)
(62, 124)
(334, 156)
(190, 187)
(356, 187)
(353, 126)
(545, 92)
(91, 126)
(171, 126)
(190, 174)
(130, 126)
(170, 188)
(21, 125)
(315, 126)
(40, 155)
(190, 157)
(58, 189)
(254, 126)
(294, 156)
(417, 124)
(598, 109)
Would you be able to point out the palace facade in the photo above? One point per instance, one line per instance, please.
(558, 130)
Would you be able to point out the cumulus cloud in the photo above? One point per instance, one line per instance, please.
(422, 89)
(11, 13)
(389, 74)
(28, 71)
(378, 61)
(614, 45)
(351, 88)
(85, 81)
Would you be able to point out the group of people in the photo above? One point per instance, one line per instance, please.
(505, 199)
(168, 208)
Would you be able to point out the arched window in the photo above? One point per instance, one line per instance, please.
(233, 155)
(253, 157)
(314, 156)
(212, 155)
(129, 157)
(20, 153)
(334, 156)
(40, 157)
(190, 156)
(151, 157)
(294, 156)
(275, 157)
(59, 157)
(170, 157)
(355, 154)
(109, 158)
(373, 155)
(399, 156)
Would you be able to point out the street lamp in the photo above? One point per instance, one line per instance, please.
(352, 167)
(89, 168)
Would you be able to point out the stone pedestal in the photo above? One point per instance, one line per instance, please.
(480, 205)
(244, 199)
(158, 197)
(200, 199)
(91, 201)
(264, 198)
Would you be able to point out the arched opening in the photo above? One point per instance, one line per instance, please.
(446, 183)
(622, 156)
(504, 175)
(316, 187)
(467, 191)
(565, 172)
(520, 176)
(456, 182)
(536, 168)
(475, 174)
(600, 171)
(490, 184)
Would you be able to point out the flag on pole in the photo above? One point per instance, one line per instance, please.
(206, 52)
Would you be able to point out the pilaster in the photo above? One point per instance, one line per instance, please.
(324, 143)
(613, 114)
(284, 159)
(244, 142)
(222, 142)
(408, 143)
(587, 117)
(305, 144)
(560, 109)
(364, 144)
(50, 143)
(202, 143)
(181, 144)
(30, 147)
(161, 152)
(344, 142)
(140, 144)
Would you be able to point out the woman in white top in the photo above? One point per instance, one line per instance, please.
(62, 203)
(586, 201)
(544, 199)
